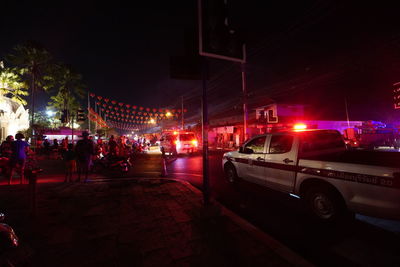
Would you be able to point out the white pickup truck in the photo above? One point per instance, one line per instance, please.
(314, 165)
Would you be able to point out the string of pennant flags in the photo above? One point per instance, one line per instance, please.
(126, 116)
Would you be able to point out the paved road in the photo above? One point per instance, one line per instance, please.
(364, 241)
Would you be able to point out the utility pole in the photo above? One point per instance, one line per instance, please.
(347, 113)
(182, 114)
(245, 110)
(88, 101)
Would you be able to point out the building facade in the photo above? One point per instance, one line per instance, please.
(13, 117)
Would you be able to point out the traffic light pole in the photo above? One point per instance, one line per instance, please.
(206, 179)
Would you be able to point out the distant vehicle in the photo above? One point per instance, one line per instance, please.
(315, 166)
(178, 142)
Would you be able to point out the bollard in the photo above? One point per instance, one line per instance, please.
(32, 177)
(164, 172)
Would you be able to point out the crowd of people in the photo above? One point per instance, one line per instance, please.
(14, 156)
(79, 157)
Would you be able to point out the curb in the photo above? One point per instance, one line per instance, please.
(276, 246)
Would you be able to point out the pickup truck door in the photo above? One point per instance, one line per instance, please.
(252, 167)
(281, 162)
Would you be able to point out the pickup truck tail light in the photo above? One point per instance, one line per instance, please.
(195, 143)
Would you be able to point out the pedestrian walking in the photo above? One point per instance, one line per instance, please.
(18, 156)
(69, 157)
(112, 146)
(84, 151)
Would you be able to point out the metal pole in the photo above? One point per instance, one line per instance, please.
(347, 113)
(95, 123)
(72, 128)
(88, 101)
(206, 185)
(33, 106)
(245, 111)
(182, 114)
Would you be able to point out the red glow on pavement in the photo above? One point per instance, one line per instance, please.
(40, 180)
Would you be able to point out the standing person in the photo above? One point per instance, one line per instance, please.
(46, 146)
(5, 147)
(5, 152)
(84, 151)
(54, 149)
(69, 157)
(112, 146)
(18, 156)
(64, 144)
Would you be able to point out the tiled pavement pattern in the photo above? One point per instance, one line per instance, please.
(145, 222)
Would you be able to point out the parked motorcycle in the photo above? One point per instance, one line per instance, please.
(121, 164)
(8, 241)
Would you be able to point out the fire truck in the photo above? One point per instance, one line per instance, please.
(372, 134)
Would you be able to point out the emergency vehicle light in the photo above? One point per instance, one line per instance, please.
(299, 127)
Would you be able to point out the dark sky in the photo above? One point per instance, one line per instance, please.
(312, 52)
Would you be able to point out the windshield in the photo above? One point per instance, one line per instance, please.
(186, 137)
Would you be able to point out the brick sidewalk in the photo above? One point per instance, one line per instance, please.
(144, 222)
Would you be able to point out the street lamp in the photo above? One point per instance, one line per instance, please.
(50, 113)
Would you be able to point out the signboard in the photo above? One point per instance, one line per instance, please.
(217, 39)
(396, 95)
(267, 114)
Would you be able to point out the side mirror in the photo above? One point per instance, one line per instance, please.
(246, 150)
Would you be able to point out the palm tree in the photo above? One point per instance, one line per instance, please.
(33, 63)
(12, 86)
(69, 87)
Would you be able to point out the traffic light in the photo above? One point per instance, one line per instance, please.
(217, 37)
(64, 116)
(80, 115)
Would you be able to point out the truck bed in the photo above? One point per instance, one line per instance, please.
(376, 158)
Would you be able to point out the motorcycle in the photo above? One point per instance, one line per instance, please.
(8, 242)
(111, 163)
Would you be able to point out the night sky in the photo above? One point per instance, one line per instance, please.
(312, 52)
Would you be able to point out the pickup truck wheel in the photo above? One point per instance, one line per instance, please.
(324, 204)
(230, 173)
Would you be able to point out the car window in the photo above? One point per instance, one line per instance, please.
(318, 141)
(186, 137)
(257, 144)
(280, 144)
